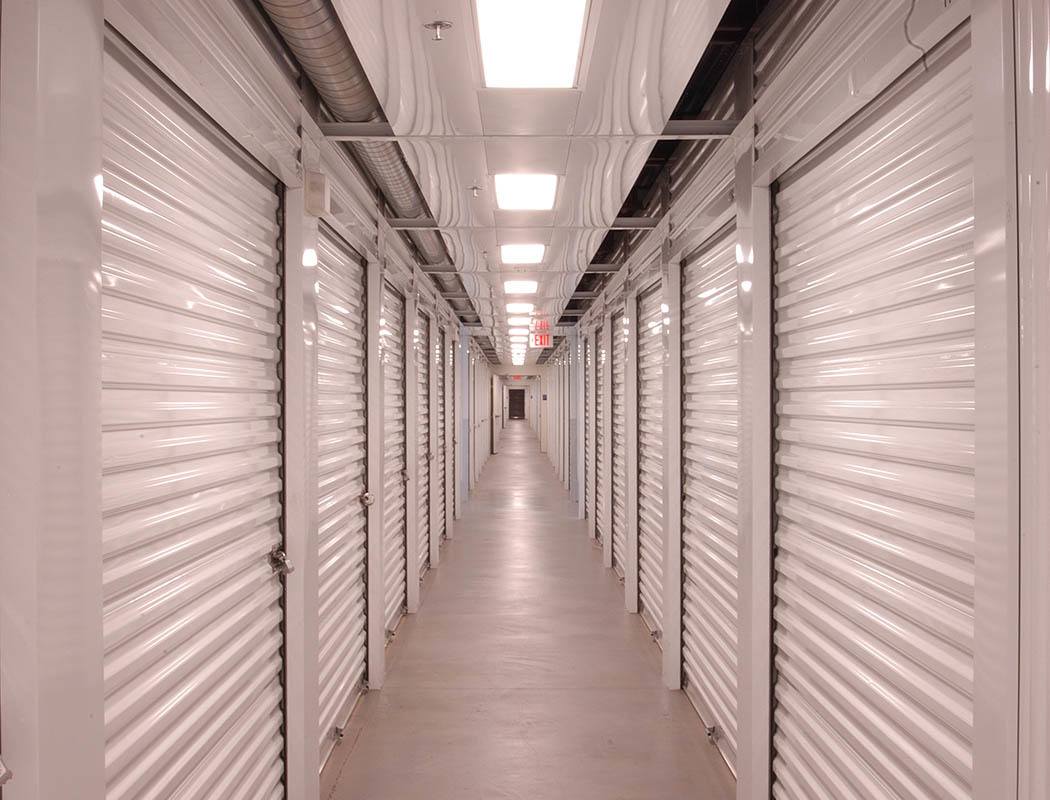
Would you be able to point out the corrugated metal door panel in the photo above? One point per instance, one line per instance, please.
(601, 513)
(710, 458)
(441, 365)
(874, 566)
(421, 339)
(342, 457)
(652, 353)
(588, 409)
(618, 522)
(392, 333)
(191, 438)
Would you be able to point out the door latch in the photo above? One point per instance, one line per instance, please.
(367, 499)
(5, 773)
(279, 562)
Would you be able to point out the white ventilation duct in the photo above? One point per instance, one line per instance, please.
(313, 32)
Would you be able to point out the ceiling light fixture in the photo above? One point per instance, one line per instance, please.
(520, 287)
(526, 191)
(519, 339)
(519, 308)
(509, 33)
(518, 331)
(522, 253)
(519, 321)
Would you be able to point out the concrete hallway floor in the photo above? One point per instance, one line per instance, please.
(522, 676)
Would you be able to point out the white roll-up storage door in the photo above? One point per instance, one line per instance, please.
(441, 364)
(652, 353)
(421, 338)
(618, 522)
(342, 460)
(601, 511)
(191, 451)
(874, 564)
(588, 441)
(710, 453)
(392, 341)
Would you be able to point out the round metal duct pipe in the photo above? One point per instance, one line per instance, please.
(315, 35)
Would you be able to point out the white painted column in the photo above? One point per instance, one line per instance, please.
(671, 635)
(412, 486)
(376, 482)
(463, 418)
(51, 694)
(997, 480)
(592, 430)
(1032, 39)
(607, 439)
(755, 555)
(436, 436)
(451, 408)
(630, 370)
(302, 636)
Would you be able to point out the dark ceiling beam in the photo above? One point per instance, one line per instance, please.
(676, 130)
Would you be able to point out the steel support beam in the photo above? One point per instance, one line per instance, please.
(675, 130)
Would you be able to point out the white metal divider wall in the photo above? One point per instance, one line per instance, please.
(652, 353)
(395, 464)
(710, 477)
(421, 353)
(191, 449)
(341, 423)
(874, 559)
(618, 518)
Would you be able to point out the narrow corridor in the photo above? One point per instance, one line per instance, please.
(522, 676)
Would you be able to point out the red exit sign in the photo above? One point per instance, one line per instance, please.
(541, 325)
(541, 340)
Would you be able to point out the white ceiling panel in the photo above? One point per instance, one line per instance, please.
(637, 57)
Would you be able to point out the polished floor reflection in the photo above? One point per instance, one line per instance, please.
(522, 676)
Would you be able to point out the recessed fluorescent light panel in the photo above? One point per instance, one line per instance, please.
(530, 45)
(518, 331)
(526, 192)
(521, 253)
(519, 321)
(520, 287)
(519, 339)
(519, 308)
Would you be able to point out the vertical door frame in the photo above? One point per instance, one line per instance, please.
(671, 634)
(630, 377)
(433, 346)
(376, 474)
(578, 439)
(412, 487)
(997, 545)
(51, 518)
(607, 438)
(301, 543)
(1033, 160)
(462, 423)
(451, 455)
(589, 421)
